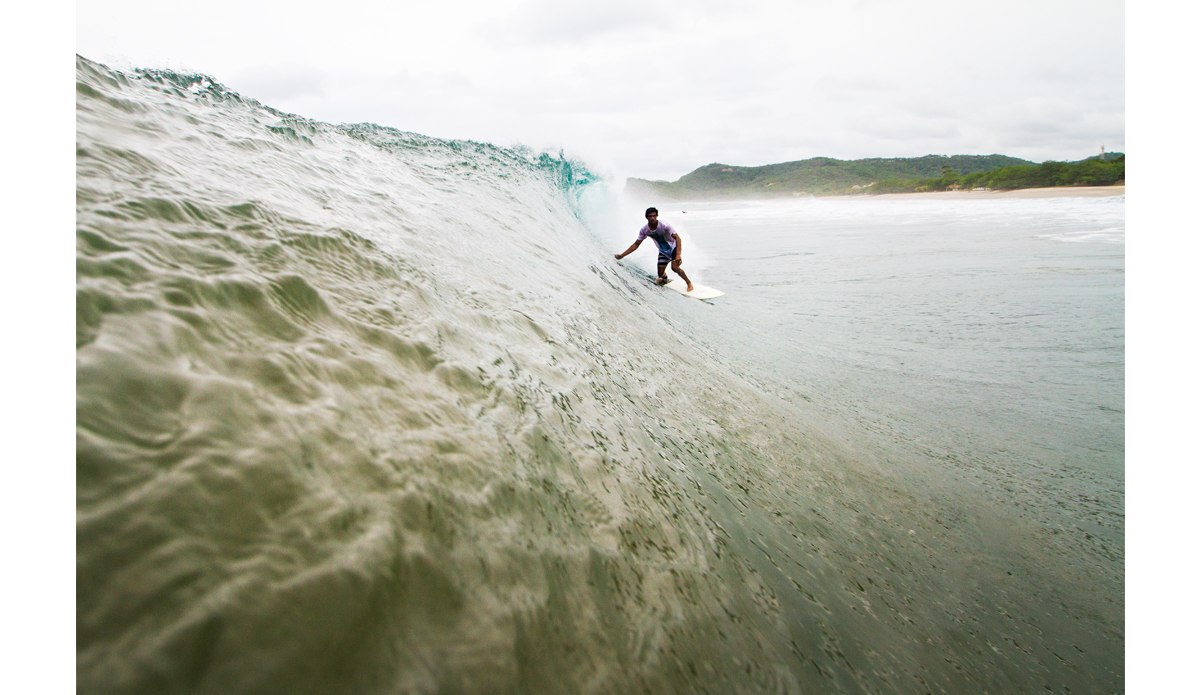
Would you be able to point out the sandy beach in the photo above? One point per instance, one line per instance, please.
(1059, 192)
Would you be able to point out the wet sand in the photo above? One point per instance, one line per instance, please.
(1059, 192)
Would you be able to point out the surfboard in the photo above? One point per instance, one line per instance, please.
(698, 291)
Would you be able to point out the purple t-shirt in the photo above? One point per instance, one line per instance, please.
(661, 236)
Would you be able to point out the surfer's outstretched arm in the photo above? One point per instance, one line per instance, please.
(629, 250)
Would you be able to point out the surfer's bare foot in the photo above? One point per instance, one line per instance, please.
(661, 280)
(690, 287)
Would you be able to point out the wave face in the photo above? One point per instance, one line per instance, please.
(362, 411)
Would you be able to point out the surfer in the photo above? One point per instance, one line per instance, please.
(670, 247)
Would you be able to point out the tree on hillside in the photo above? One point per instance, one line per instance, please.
(949, 177)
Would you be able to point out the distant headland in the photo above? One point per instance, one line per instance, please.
(821, 176)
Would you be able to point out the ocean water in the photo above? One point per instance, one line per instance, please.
(362, 411)
(985, 335)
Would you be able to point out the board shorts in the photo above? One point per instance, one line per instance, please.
(664, 259)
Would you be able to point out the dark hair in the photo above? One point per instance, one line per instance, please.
(650, 210)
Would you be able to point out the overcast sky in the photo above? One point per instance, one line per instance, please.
(656, 88)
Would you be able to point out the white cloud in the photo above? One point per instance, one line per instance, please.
(657, 88)
(270, 83)
(575, 23)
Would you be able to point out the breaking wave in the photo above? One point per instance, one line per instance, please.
(360, 410)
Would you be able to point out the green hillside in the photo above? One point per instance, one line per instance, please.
(1093, 171)
(816, 176)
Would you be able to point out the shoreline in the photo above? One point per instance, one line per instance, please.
(1057, 192)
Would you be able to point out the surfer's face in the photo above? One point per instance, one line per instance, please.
(652, 218)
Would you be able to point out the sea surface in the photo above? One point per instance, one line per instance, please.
(985, 335)
(363, 411)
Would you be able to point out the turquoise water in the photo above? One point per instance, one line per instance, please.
(364, 411)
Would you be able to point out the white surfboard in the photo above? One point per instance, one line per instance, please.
(698, 291)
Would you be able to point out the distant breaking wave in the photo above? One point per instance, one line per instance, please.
(364, 411)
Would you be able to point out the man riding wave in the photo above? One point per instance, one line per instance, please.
(670, 247)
